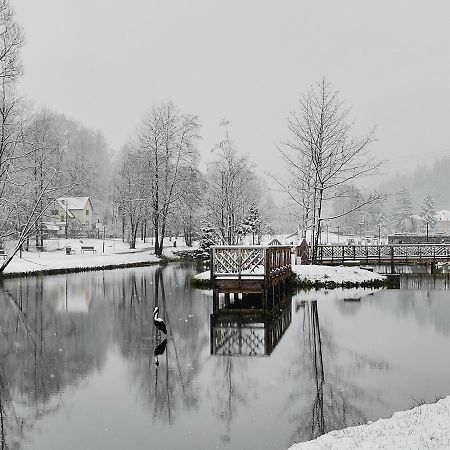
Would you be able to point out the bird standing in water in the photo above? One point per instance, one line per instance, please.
(159, 323)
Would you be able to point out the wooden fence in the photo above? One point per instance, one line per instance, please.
(250, 262)
(392, 254)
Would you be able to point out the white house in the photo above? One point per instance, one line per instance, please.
(74, 212)
(443, 221)
(79, 207)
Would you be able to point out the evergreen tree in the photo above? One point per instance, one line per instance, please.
(428, 212)
(251, 224)
(403, 209)
(208, 238)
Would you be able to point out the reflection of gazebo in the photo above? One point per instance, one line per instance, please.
(251, 325)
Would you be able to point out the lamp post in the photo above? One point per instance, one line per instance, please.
(65, 225)
(427, 231)
(104, 228)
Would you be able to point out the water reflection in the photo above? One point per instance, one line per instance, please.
(419, 281)
(80, 349)
(249, 324)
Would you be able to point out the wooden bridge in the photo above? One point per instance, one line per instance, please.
(253, 268)
(383, 254)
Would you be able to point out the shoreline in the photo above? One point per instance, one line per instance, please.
(424, 426)
(65, 270)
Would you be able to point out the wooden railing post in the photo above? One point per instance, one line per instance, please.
(211, 268)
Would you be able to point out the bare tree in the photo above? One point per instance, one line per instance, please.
(131, 190)
(322, 157)
(232, 189)
(41, 174)
(11, 42)
(188, 208)
(167, 145)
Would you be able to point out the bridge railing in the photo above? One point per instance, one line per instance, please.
(253, 261)
(381, 253)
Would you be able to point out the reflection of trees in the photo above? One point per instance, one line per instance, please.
(170, 386)
(333, 398)
(41, 353)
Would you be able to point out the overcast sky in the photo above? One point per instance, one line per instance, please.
(104, 63)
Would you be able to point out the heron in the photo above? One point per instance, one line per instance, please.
(159, 323)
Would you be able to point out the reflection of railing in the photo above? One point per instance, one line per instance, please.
(425, 281)
(250, 262)
(399, 253)
(242, 331)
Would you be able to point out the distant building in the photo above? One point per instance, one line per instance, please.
(443, 221)
(75, 213)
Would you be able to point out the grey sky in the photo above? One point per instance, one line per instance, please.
(104, 63)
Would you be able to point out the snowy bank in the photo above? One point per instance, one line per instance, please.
(111, 254)
(339, 275)
(309, 275)
(426, 426)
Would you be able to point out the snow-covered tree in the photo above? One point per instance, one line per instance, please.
(403, 209)
(167, 143)
(428, 212)
(208, 237)
(252, 223)
(232, 187)
(323, 157)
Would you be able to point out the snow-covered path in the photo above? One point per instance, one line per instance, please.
(424, 427)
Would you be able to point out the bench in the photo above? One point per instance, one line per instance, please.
(88, 248)
(3, 254)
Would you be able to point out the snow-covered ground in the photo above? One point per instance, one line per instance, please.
(324, 274)
(424, 427)
(335, 274)
(115, 253)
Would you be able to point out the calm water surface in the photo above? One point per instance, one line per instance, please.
(77, 368)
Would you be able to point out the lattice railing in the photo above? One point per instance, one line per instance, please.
(404, 252)
(239, 340)
(249, 261)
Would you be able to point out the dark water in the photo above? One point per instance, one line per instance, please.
(77, 370)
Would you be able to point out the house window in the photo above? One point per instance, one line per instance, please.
(87, 212)
(54, 212)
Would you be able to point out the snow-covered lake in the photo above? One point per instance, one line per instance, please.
(78, 368)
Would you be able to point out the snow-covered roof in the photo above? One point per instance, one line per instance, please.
(73, 202)
(443, 215)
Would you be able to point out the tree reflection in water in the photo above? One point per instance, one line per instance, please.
(170, 386)
(333, 398)
(41, 351)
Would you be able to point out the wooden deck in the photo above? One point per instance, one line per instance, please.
(248, 324)
(249, 268)
(383, 254)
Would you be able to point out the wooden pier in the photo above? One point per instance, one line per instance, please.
(253, 268)
(383, 254)
(249, 324)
